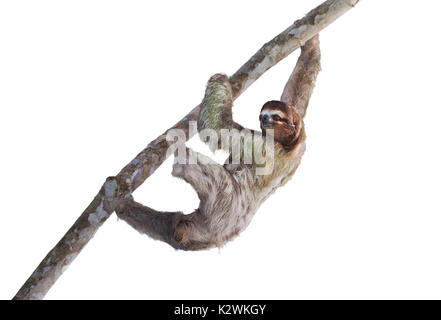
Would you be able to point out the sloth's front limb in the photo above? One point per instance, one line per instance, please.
(216, 113)
(298, 88)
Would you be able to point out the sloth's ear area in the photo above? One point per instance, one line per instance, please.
(297, 122)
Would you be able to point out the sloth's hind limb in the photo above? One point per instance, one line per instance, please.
(181, 231)
(156, 224)
(174, 228)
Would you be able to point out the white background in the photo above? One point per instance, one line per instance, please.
(85, 85)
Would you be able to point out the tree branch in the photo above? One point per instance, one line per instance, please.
(146, 162)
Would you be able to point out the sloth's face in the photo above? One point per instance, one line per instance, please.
(276, 115)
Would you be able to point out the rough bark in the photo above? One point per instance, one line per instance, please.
(148, 160)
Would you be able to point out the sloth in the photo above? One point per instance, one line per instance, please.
(229, 194)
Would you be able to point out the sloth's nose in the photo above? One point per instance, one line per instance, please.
(265, 117)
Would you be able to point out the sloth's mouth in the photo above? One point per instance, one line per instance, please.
(268, 124)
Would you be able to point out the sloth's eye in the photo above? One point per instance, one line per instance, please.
(276, 118)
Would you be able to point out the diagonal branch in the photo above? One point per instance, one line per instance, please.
(148, 160)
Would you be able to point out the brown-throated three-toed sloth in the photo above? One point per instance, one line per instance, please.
(229, 194)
